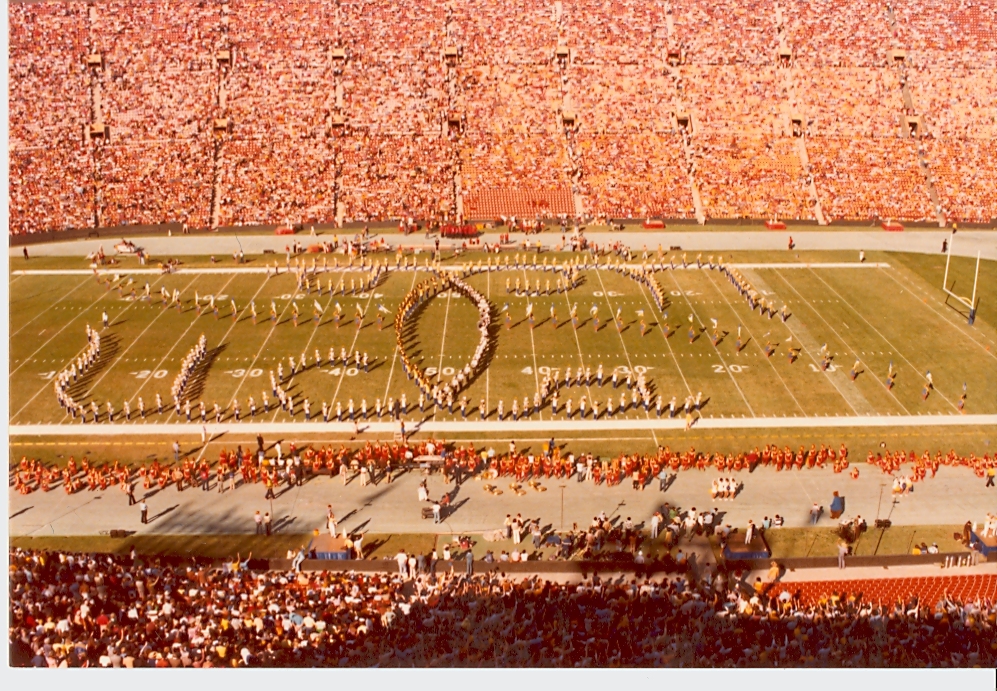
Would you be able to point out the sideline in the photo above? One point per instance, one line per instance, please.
(262, 270)
(133, 429)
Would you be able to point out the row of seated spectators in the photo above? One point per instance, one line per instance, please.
(960, 30)
(751, 177)
(75, 610)
(277, 180)
(706, 30)
(156, 93)
(510, 32)
(639, 175)
(735, 99)
(837, 33)
(51, 172)
(513, 152)
(618, 98)
(965, 176)
(397, 177)
(955, 102)
(849, 101)
(863, 178)
(614, 31)
(159, 91)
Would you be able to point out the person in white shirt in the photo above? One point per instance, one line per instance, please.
(749, 534)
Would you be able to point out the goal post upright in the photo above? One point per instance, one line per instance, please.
(970, 303)
(976, 279)
(948, 259)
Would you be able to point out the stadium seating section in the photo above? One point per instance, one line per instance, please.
(219, 112)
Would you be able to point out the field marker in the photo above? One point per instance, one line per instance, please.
(167, 404)
(843, 341)
(919, 373)
(394, 357)
(78, 352)
(755, 340)
(64, 326)
(52, 306)
(722, 361)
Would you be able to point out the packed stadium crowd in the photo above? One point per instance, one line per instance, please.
(79, 610)
(862, 179)
(751, 178)
(206, 118)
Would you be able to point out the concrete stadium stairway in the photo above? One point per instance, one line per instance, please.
(567, 105)
(679, 106)
(909, 107)
(452, 79)
(790, 108)
(221, 108)
(95, 114)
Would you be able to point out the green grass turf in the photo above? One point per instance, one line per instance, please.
(223, 261)
(787, 543)
(376, 545)
(877, 315)
(138, 449)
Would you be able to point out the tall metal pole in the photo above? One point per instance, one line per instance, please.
(948, 258)
(976, 280)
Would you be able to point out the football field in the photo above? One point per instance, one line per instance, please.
(881, 313)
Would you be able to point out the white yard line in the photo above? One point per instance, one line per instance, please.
(66, 325)
(518, 427)
(443, 343)
(755, 341)
(839, 337)
(262, 270)
(78, 352)
(722, 361)
(894, 348)
(353, 344)
(626, 353)
(960, 326)
(394, 357)
(533, 346)
(107, 371)
(72, 290)
(488, 294)
(667, 342)
(578, 343)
